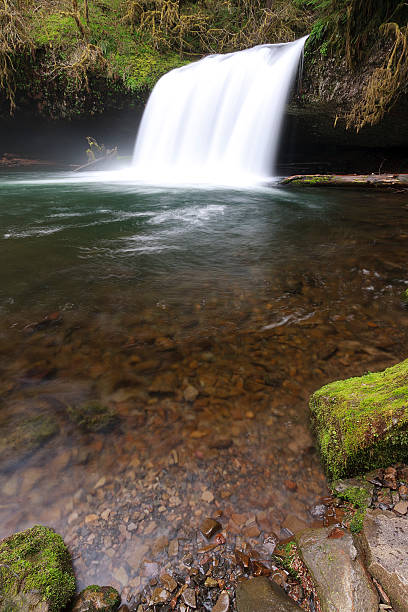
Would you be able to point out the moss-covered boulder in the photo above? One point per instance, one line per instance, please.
(362, 423)
(97, 599)
(35, 572)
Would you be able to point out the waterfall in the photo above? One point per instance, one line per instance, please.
(218, 120)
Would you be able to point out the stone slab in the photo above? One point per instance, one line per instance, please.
(341, 581)
(384, 544)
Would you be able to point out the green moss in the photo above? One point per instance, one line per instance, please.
(312, 180)
(92, 416)
(360, 499)
(356, 523)
(104, 599)
(286, 555)
(355, 495)
(362, 423)
(36, 561)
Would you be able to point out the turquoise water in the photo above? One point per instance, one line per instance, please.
(66, 243)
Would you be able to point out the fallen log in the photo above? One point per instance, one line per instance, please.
(98, 162)
(378, 181)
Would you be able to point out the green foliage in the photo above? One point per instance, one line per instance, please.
(36, 560)
(130, 44)
(286, 555)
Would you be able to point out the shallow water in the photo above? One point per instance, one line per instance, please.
(203, 319)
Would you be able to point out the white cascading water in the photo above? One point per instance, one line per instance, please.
(218, 120)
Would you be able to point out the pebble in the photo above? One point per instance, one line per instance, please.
(190, 393)
(101, 482)
(403, 491)
(223, 603)
(401, 507)
(207, 496)
(209, 527)
(159, 596)
(189, 598)
(168, 582)
(173, 548)
(90, 518)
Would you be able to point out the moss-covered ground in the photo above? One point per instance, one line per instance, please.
(362, 423)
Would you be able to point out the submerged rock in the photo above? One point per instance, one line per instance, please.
(209, 527)
(340, 578)
(362, 423)
(35, 572)
(96, 598)
(384, 545)
(262, 595)
(92, 416)
(24, 436)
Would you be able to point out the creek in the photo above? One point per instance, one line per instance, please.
(200, 320)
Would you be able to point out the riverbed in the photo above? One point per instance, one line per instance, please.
(197, 322)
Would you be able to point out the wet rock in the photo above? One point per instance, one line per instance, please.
(262, 595)
(35, 571)
(384, 544)
(159, 596)
(327, 558)
(223, 603)
(97, 598)
(401, 507)
(209, 527)
(243, 560)
(168, 582)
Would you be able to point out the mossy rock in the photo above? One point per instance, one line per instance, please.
(22, 436)
(92, 416)
(362, 423)
(97, 599)
(35, 572)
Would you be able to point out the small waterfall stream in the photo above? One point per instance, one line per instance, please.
(218, 120)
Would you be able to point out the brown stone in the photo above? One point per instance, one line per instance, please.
(209, 527)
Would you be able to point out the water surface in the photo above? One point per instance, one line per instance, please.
(201, 319)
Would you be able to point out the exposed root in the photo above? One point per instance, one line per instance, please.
(87, 59)
(212, 26)
(385, 83)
